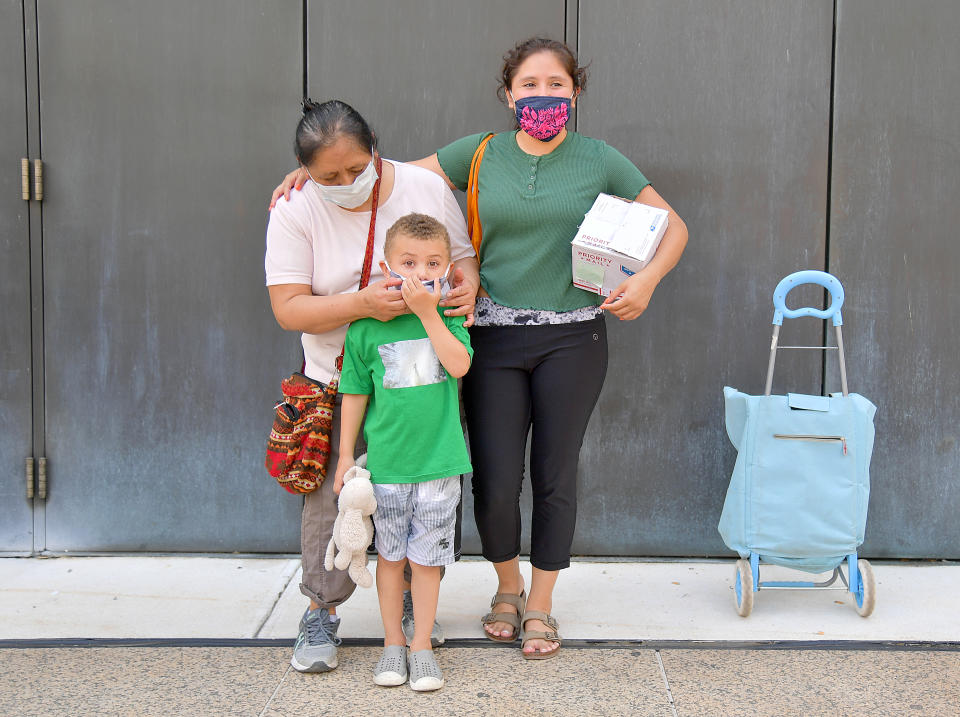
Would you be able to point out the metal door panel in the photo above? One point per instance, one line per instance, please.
(164, 127)
(424, 73)
(893, 243)
(16, 442)
(725, 107)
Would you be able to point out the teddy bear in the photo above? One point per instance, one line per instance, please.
(353, 527)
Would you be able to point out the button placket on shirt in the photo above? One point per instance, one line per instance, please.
(534, 161)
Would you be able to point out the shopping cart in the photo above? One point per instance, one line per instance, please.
(799, 490)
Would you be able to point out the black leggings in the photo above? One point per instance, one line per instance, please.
(548, 377)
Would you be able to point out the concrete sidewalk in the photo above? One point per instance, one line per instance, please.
(213, 597)
(657, 638)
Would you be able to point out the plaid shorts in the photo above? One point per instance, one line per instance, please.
(417, 520)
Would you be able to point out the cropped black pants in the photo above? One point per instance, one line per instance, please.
(545, 377)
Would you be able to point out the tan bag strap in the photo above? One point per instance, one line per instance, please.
(473, 214)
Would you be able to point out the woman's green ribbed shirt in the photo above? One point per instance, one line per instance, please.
(530, 208)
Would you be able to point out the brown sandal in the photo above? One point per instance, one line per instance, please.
(552, 635)
(519, 602)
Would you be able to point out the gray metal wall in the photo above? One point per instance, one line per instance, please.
(164, 126)
(16, 510)
(160, 126)
(424, 71)
(734, 134)
(893, 237)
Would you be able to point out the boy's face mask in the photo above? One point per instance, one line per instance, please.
(430, 284)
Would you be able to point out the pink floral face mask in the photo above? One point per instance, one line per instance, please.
(542, 117)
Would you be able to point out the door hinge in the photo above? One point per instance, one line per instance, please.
(38, 184)
(41, 486)
(37, 179)
(25, 179)
(42, 479)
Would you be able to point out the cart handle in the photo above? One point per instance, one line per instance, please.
(827, 281)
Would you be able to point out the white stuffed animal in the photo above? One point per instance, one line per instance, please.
(353, 528)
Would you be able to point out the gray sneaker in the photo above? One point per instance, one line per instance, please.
(316, 647)
(436, 634)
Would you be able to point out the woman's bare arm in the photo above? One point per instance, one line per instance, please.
(632, 296)
(297, 309)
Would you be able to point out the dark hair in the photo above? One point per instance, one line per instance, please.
(531, 46)
(322, 124)
(417, 226)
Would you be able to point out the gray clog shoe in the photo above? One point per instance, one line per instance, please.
(391, 670)
(425, 674)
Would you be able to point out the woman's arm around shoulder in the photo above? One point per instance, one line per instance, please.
(433, 164)
(452, 162)
(294, 180)
(631, 298)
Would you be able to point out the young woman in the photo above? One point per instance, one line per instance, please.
(540, 351)
(316, 243)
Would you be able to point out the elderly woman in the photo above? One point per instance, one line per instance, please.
(316, 244)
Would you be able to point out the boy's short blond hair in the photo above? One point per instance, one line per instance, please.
(417, 226)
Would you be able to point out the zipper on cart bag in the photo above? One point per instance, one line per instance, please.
(816, 439)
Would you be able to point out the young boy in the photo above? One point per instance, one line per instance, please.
(407, 369)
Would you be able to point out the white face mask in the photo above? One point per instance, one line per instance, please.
(349, 196)
(429, 284)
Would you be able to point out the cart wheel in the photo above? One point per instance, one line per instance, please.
(743, 588)
(866, 596)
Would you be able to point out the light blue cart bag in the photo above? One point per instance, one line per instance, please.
(800, 486)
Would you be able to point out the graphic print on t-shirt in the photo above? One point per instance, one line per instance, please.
(410, 363)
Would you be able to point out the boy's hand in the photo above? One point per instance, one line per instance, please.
(343, 465)
(421, 300)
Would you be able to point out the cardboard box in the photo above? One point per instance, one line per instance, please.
(617, 239)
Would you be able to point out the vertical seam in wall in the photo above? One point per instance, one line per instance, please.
(576, 126)
(31, 28)
(305, 48)
(26, 91)
(26, 148)
(829, 205)
(571, 9)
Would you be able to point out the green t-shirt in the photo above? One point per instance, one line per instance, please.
(412, 426)
(530, 208)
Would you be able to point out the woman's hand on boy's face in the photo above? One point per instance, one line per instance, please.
(461, 297)
(419, 298)
(382, 301)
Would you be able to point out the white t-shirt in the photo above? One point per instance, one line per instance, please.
(313, 241)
